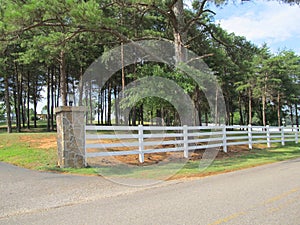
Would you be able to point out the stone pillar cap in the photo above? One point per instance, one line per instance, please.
(70, 109)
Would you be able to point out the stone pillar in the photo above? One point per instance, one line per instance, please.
(70, 122)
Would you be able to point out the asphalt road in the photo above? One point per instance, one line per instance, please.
(263, 195)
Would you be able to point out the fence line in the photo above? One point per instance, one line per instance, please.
(129, 140)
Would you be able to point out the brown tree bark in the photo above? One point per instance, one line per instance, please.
(63, 78)
(278, 109)
(28, 101)
(7, 105)
(291, 114)
(53, 90)
(17, 98)
(297, 116)
(263, 99)
(48, 99)
(179, 33)
(250, 106)
(109, 105)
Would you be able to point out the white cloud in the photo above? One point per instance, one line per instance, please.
(269, 22)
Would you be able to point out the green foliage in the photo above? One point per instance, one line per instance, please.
(35, 34)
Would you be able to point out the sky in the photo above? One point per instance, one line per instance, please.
(276, 24)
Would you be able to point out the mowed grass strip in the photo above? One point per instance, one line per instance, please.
(38, 151)
(29, 150)
(254, 158)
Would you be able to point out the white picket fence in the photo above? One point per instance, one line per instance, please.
(128, 140)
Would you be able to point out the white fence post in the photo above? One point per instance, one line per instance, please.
(224, 138)
(282, 135)
(296, 136)
(141, 143)
(185, 142)
(250, 136)
(268, 136)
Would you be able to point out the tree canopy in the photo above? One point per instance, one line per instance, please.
(47, 45)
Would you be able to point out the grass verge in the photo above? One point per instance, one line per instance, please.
(254, 158)
(28, 150)
(36, 151)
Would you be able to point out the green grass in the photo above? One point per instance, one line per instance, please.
(254, 158)
(29, 150)
(15, 149)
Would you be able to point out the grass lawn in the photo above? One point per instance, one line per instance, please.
(38, 151)
(254, 158)
(29, 150)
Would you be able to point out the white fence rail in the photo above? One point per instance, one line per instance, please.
(141, 140)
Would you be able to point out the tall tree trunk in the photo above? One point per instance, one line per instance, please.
(19, 103)
(35, 102)
(48, 99)
(34, 111)
(116, 105)
(122, 59)
(63, 78)
(142, 114)
(109, 105)
(80, 86)
(264, 99)
(199, 115)
(296, 114)
(241, 110)
(105, 105)
(179, 34)
(216, 108)
(23, 96)
(90, 103)
(264, 110)
(123, 69)
(250, 105)
(57, 92)
(278, 110)
(162, 116)
(227, 119)
(158, 118)
(197, 111)
(99, 107)
(291, 115)
(53, 89)
(17, 99)
(133, 116)
(28, 102)
(7, 105)
(206, 118)
(23, 109)
(102, 107)
(23, 102)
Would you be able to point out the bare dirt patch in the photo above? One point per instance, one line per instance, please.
(50, 142)
(41, 142)
(155, 158)
(150, 159)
